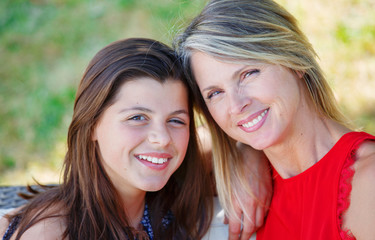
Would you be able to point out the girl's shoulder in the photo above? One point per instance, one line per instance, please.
(4, 222)
(51, 226)
(3, 225)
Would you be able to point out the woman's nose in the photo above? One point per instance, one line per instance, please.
(159, 135)
(237, 101)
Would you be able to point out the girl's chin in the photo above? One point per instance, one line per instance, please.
(155, 186)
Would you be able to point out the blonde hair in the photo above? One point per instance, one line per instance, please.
(239, 31)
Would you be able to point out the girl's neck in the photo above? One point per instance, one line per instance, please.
(135, 213)
(134, 207)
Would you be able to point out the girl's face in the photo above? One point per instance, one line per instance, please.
(144, 135)
(257, 103)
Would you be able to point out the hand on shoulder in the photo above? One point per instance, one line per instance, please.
(252, 211)
(360, 217)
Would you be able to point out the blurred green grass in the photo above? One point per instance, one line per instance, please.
(45, 46)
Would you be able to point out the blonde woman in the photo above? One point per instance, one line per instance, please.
(257, 80)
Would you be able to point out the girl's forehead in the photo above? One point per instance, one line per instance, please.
(153, 92)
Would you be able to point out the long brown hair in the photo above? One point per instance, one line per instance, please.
(91, 205)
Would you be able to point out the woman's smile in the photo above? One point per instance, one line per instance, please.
(254, 122)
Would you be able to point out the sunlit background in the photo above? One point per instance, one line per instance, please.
(45, 46)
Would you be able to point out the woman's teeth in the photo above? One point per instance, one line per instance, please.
(255, 120)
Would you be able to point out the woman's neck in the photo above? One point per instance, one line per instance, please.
(304, 146)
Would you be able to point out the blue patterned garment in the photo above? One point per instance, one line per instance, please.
(146, 223)
(11, 228)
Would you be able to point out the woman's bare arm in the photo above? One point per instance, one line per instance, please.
(360, 216)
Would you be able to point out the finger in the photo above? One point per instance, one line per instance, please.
(259, 218)
(234, 229)
(226, 220)
(248, 223)
(247, 231)
(235, 224)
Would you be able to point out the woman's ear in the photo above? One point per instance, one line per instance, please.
(300, 74)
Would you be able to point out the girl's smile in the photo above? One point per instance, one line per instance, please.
(143, 135)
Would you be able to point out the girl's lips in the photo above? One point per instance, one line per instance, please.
(154, 160)
(254, 122)
(155, 154)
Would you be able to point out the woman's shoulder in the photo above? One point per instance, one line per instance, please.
(364, 165)
(366, 150)
(361, 212)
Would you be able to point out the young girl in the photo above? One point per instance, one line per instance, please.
(132, 168)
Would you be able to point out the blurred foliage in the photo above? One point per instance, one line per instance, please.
(45, 46)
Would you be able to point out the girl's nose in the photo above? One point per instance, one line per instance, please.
(159, 135)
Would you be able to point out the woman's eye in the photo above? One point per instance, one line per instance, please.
(212, 94)
(249, 73)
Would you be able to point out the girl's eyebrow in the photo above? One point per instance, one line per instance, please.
(182, 111)
(143, 109)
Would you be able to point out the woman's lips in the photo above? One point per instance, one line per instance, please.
(254, 122)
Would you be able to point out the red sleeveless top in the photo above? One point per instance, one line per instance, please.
(309, 206)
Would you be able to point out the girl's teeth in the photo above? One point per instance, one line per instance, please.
(153, 159)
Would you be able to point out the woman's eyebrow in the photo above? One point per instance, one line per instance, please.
(234, 76)
(238, 72)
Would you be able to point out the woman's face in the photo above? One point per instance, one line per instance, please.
(257, 103)
(144, 135)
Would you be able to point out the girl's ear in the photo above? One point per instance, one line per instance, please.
(94, 135)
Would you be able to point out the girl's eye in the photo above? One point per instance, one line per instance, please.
(213, 93)
(138, 118)
(177, 121)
